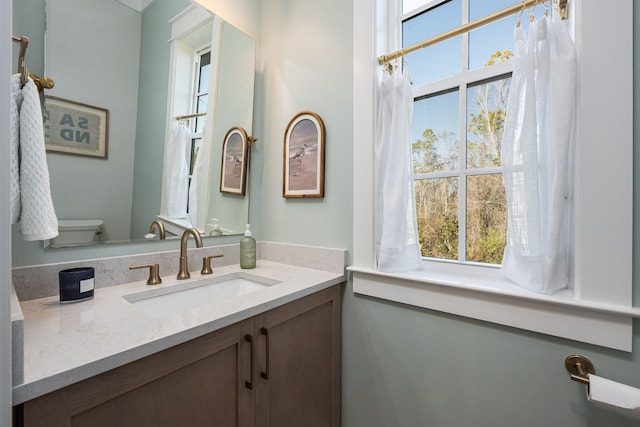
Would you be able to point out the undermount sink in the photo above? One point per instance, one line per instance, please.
(163, 301)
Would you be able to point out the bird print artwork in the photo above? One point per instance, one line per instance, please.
(233, 166)
(303, 155)
(304, 148)
(236, 160)
(298, 154)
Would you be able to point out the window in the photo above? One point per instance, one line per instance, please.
(461, 88)
(598, 307)
(211, 75)
(189, 87)
(200, 98)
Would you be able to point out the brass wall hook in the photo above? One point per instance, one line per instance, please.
(22, 69)
(40, 82)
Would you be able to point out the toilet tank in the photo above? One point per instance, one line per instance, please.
(77, 232)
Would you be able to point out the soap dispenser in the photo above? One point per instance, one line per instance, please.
(215, 228)
(247, 249)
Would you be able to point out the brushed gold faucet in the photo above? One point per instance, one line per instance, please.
(183, 273)
(160, 227)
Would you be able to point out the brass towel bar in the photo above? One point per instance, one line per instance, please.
(579, 367)
(516, 8)
(41, 82)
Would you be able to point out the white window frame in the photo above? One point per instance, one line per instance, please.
(182, 73)
(191, 31)
(196, 94)
(598, 308)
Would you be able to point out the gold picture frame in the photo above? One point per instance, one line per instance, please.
(235, 158)
(304, 149)
(75, 128)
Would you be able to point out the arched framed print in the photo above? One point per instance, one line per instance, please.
(235, 153)
(304, 145)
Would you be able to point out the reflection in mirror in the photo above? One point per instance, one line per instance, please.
(139, 65)
(195, 57)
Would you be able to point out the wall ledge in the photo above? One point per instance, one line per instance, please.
(562, 315)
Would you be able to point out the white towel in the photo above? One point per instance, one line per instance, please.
(38, 219)
(14, 161)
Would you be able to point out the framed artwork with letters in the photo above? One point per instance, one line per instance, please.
(74, 128)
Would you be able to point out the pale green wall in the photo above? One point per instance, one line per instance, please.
(307, 65)
(152, 112)
(233, 107)
(90, 179)
(28, 20)
(83, 187)
(404, 366)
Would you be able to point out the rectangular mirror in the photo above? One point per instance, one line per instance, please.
(137, 63)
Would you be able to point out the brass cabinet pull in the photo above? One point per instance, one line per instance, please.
(249, 384)
(265, 374)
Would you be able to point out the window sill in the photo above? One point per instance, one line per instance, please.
(498, 301)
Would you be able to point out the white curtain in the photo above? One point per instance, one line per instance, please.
(535, 156)
(176, 173)
(397, 245)
(199, 189)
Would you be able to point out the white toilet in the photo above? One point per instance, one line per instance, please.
(77, 232)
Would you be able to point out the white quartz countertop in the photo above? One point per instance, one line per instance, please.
(66, 343)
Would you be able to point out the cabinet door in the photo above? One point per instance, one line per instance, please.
(198, 383)
(298, 362)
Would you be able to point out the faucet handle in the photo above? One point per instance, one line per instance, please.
(154, 273)
(206, 263)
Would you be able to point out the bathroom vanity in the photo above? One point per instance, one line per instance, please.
(268, 357)
(275, 369)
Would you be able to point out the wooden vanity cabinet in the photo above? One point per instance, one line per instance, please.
(298, 359)
(281, 368)
(190, 384)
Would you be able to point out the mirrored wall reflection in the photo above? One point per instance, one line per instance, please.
(119, 59)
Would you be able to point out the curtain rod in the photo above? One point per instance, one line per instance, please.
(190, 116)
(562, 10)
